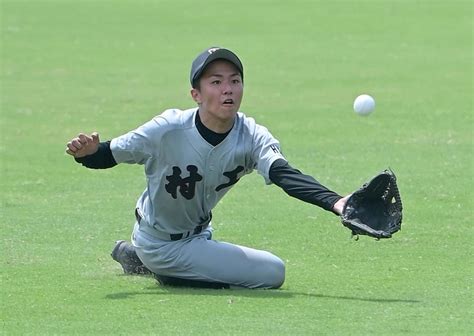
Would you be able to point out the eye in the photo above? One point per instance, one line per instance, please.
(216, 82)
(236, 81)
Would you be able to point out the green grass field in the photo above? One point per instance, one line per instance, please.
(109, 66)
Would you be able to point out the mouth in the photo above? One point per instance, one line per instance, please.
(228, 102)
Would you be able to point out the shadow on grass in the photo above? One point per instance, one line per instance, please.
(248, 293)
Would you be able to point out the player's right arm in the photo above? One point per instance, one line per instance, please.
(136, 146)
(90, 152)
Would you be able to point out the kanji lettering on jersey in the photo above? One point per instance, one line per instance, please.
(232, 176)
(187, 185)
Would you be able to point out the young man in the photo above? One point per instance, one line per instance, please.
(191, 159)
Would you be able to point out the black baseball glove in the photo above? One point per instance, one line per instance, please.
(375, 209)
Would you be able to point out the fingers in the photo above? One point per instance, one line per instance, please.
(81, 144)
(95, 137)
(70, 152)
(75, 145)
(84, 139)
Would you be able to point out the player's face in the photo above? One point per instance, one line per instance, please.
(219, 95)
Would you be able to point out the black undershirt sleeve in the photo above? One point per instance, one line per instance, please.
(301, 186)
(101, 159)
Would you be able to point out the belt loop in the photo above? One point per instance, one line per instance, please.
(137, 216)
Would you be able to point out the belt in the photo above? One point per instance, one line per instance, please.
(172, 236)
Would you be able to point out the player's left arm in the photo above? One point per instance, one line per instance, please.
(271, 164)
(305, 187)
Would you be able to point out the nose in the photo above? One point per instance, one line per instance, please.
(227, 89)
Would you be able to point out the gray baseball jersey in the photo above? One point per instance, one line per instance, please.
(186, 176)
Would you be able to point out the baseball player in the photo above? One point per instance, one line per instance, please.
(191, 160)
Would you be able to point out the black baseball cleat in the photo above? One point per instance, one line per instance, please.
(125, 255)
(179, 282)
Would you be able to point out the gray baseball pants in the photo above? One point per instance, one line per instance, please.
(200, 258)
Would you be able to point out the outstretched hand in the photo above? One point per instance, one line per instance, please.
(339, 205)
(83, 145)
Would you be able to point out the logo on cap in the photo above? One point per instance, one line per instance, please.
(212, 50)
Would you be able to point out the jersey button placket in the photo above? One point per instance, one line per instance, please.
(210, 167)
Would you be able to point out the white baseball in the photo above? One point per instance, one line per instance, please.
(364, 105)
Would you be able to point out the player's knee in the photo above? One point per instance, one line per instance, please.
(276, 274)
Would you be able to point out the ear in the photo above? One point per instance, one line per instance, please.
(196, 95)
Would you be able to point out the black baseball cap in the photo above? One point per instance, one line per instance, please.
(212, 54)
